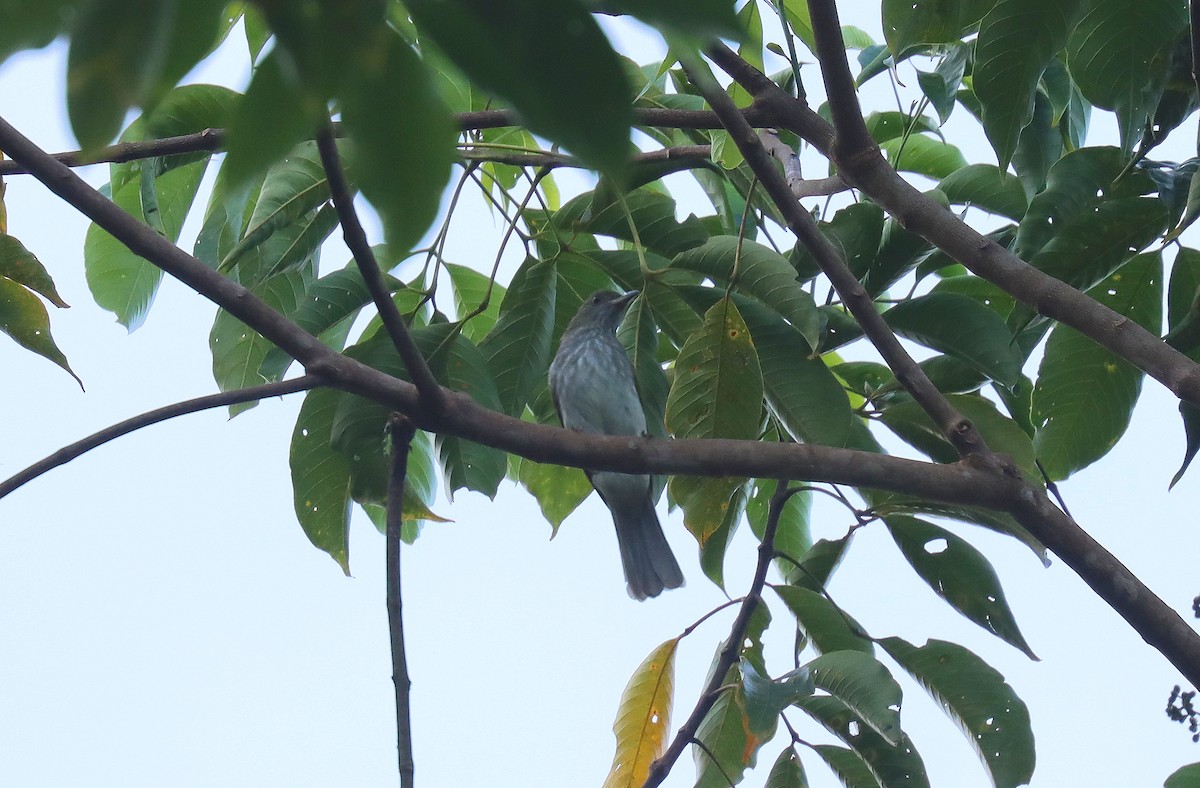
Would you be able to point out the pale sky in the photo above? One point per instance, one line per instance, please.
(164, 621)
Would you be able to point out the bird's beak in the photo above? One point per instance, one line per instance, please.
(624, 300)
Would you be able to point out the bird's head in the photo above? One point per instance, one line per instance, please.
(602, 309)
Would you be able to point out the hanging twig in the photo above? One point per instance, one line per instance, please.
(400, 433)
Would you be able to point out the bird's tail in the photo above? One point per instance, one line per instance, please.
(649, 564)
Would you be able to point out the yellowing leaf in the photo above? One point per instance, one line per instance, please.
(644, 718)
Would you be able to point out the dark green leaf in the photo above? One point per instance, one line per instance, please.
(860, 681)
(848, 765)
(793, 537)
(787, 772)
(1017, 40)
(958, 573)
(697, 18)
(1120, 56)
(518, 348)
(756, 271)
(924, 155)
(273, 116)
(23, 317)
(829, 628)
(321, 477)
(18, 264)
(31, 24)
(471, 290)
(126, 53)
(907, 24)
(725, 735)
(892, 763)
(712, 514)
(962, 327)
(1085, 395)
(402, 140)
(1184, 777)
(651, 213)
(1191, 431)
(766, 698)
(987, 187)
(991, 716)
(856, 230)
(503, 47)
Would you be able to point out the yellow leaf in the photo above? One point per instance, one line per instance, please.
(644, 718)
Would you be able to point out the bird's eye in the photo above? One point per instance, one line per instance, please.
(595, 299)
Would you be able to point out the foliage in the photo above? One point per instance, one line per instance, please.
(732, 335)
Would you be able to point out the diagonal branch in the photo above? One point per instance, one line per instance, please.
(957, 430)
(400, 433)
(432, 399)
(97, 439)
(733, 644)
(867, 170)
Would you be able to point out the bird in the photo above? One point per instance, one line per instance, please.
(594, 391)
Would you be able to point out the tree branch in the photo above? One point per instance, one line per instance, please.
(733, 644)
(432, 400)
(871, 173)
(400, 431)
(97, 439)
(958, 483)
(958, 431)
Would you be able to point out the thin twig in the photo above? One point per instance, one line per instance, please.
(356, 239)
(400, 433)
(816, 187)
(70, 452)
(733, 644)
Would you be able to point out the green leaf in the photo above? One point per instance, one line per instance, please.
(273, 116)
(1017, 40)
(502, 46)
(860, 681)
(893, 125)
(991, 716)
(958, 573)
(725, 735)
(121, 281)
(801, 392)
(987, 187)
(699, 19)
(717, 392)
(638, 334)
(321, 477)
(466, 463)
(31, 24)
(471, 289)
(856, 231)
(759, 272)
(651, 213)
(1084, 395)
(126, 53)
(1120, 56)
(829, 628)
(766, 698)
(24, 318)
(709, 507)
(19, 264)
(1191, 430)
(848, 765)
(908, 420)
(1184, 777)
(518, 347)
(293, 189)
(1039, 147)
(559, 489)
(787, 772)
(962, 327)
(908, 24)
(941, 85)
(402, 140)
(924, 155)
(891, 763)
(238, 351)
(793, 535)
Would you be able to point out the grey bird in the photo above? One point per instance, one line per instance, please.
(594, 390)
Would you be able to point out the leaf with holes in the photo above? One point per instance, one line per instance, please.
(890, 762)
(321, 477)
(991, 716)
(643, 718)
(860, 681)
(958, 573)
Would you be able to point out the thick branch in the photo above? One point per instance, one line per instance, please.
(959, 483)
(400, 432)
(68, 453)
(870, 172)
(733, 644)
(360, 247)
(958, 430)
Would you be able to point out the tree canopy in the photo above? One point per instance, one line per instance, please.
(930, 333)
